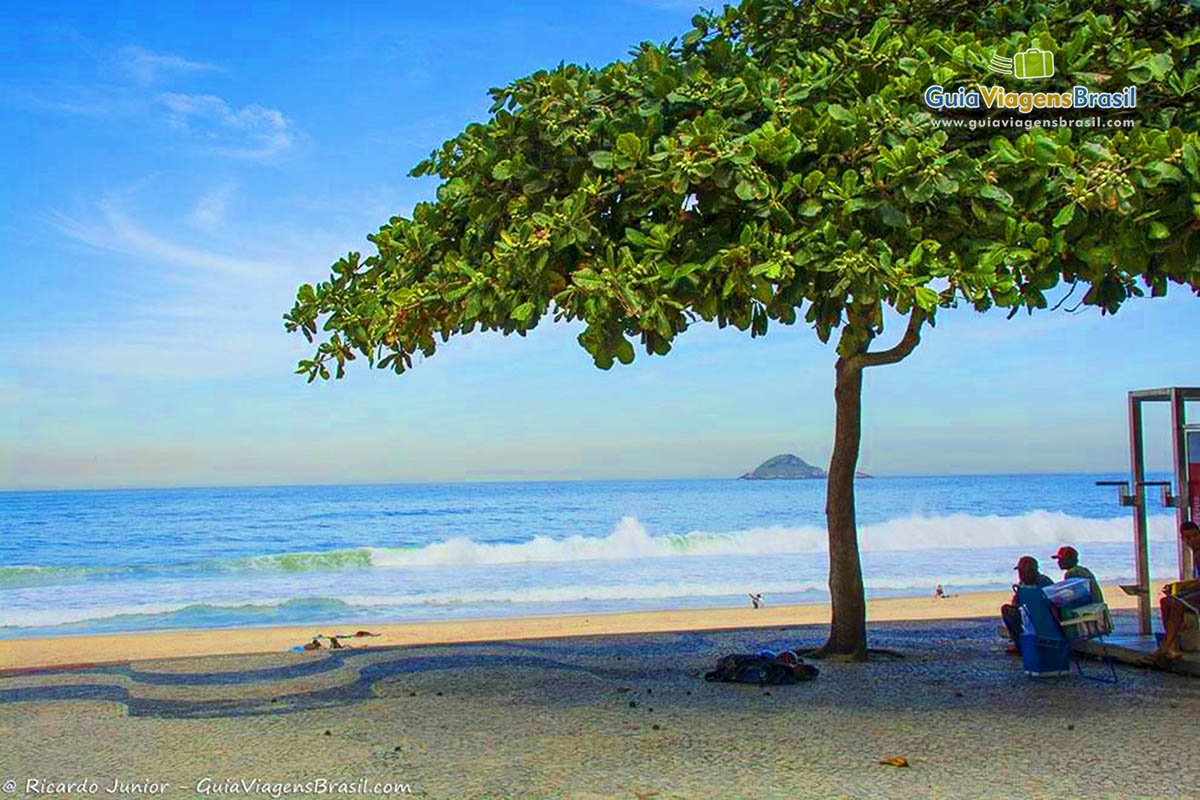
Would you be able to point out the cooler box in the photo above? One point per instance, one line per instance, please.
(1041, 660)
(1071, 592)
(1098, 621)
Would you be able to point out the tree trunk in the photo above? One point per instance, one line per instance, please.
(848, 630)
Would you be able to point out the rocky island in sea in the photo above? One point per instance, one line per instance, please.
(788, 467)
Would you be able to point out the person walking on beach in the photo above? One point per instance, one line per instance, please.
(756, 600)
(1028, 574)
(1068, 561)
(1180, 597)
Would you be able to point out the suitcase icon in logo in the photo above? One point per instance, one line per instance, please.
(1033, 63)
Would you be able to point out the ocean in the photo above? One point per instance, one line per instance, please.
(134, 560)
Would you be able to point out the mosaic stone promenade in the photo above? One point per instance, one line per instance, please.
(600, 717)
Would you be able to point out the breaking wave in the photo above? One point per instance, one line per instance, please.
(630, 540)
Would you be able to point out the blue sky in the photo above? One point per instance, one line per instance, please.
(174, 171)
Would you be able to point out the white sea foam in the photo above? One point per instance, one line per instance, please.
(631, 540)
(279, 611)
(265, 611)
(49, 617)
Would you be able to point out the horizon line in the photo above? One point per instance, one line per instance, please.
(468, 481)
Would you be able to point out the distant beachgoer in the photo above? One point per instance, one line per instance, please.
(335, 640)
(1028, 574)
(939, 593)
(315, 644)
(756, 600)
(1180, 598)
(1068, 561)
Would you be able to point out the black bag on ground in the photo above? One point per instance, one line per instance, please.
(762, 670)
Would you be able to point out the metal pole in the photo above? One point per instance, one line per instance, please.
(1179, 451)
(1137, 465)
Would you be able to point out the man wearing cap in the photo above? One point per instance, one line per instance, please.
(1028, 574)
(1068, 561)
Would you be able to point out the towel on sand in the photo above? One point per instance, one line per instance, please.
(762, 669)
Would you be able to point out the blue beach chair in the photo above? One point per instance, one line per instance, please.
(1046, 650)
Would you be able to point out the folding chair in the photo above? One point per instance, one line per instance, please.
(1047, 649)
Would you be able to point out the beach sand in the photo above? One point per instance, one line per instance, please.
(111, 648)
(589, 717)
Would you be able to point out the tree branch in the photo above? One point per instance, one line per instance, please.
(911, 338)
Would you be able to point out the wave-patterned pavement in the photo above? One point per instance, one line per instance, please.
(622, 716)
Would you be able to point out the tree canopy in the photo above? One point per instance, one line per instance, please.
(777, 163)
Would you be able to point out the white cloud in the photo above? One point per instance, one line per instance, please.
(184, 303)
(211, 209)
(252, 131)
(115, 232)
(148, 68)
(248, 132)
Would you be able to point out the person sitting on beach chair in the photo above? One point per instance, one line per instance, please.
(1068, 561)
(1180, 598)
(1028, 574)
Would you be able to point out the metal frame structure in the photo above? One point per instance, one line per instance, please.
(1179, 499)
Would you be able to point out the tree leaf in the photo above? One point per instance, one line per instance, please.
(926, 298)
(841, 114)
(810, 208)
(996, 193)
(1191, 160)
(891, 216)
(602, 159)
(625, 351)
(1064, 216)
(859, 204)
(523, 311)
(629, 145)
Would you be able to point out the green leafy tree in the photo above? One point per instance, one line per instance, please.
(777, 164)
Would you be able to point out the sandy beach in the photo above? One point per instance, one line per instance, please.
(113, 648)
